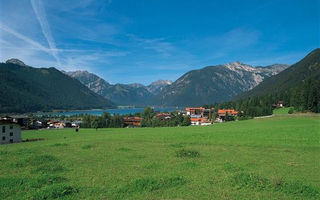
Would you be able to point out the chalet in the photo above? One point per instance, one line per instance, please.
(200, 121)
(278, 105)
(199, 115)
(10, 132)
(132, 121)
(195, 111)
(222, 113)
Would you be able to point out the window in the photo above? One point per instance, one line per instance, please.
(11, 140)
(3, 129)
(3, 138)
(11, 126)
(11, 133)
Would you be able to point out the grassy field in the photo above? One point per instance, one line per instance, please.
(271, 158)
(281, 110)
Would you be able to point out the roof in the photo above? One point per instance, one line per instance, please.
(18, 116)
(202, 119)
(5, 122)
(195, 108)
(132, 119)
(229, 111)
(163, 114)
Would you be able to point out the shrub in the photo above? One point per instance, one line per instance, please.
(183, 153)
(291, 111)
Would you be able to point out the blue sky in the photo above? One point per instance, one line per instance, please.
(127, 41)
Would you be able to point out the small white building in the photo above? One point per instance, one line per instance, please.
(9, 132)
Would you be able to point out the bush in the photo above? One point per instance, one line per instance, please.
(183, 153)
(291, 111)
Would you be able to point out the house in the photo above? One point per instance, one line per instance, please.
(195, 111)
(222, 113)
(200, 115)
(132, 121)
(22, 120)
(76, 123)
(203, 121)
(163, 116)
(10, 132)
(55, 124)
(278, 105)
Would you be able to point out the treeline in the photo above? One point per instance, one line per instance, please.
(304, 99)
(104, 121)
(149, 119)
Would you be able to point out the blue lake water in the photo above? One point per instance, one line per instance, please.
(121, 111)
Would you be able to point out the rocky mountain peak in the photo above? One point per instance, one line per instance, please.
(239, 66)
(161, 82)
(16, 62)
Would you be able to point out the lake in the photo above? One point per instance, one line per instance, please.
(120, 111)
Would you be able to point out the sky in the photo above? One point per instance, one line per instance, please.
(141, 41)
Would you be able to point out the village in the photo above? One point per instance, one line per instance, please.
(11, 126)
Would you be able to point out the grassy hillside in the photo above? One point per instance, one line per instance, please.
(272, 158)
(281, 110)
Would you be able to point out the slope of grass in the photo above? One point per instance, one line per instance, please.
(271, 158)
(281, 110)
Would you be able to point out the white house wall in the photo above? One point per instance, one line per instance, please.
(10, 134)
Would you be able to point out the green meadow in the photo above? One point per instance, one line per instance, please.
(270, 158)
(281, 110)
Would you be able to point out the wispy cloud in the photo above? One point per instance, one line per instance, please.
(158, 45)
(25, 38)
(41, 16)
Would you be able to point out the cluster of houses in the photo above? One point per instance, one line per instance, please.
(198, 116)
(26, 122)
(10, 126)
(203, 116)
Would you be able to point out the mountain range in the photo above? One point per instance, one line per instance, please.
(215, 84)
(27, 89)
(195, 88)
(124, 94)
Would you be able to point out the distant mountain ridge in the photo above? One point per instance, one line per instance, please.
(294, 76)
(124, 94)
(214, 84)
(27, 89)
(195, 88)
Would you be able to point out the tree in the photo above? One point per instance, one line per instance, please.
(95, 124)
(186, 121)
